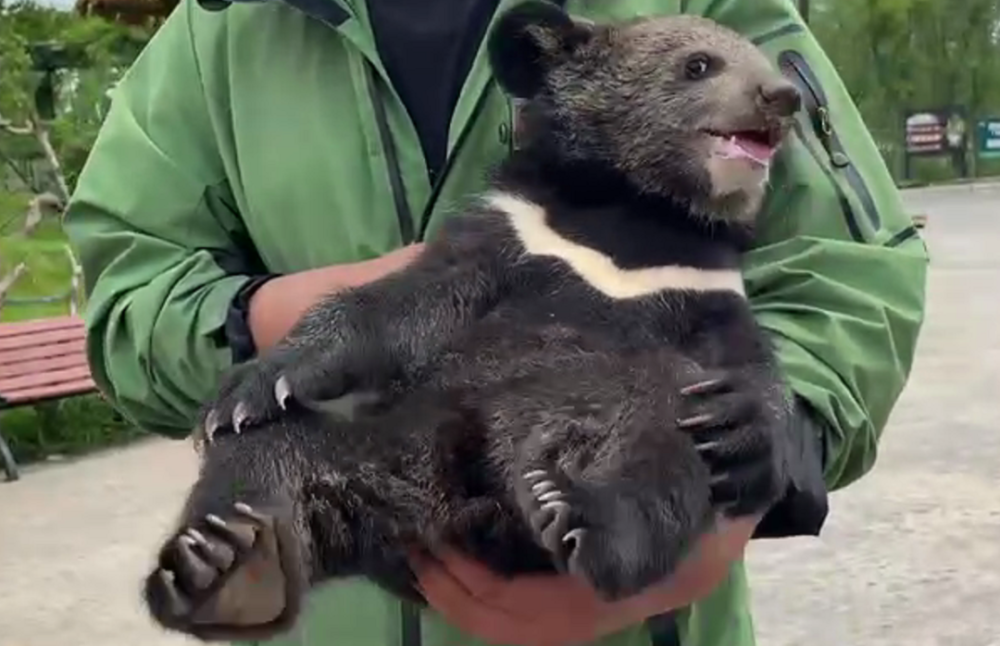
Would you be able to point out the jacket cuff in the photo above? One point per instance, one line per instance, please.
(803, 509)
(237, 328)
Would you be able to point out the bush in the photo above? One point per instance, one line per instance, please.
(69, 427)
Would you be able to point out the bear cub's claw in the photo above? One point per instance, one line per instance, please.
(262, 389)
(551, 519)
(735, 435)
(247, 399)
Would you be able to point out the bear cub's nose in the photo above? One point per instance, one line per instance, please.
(780, 98)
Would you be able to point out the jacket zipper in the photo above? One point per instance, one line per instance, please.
(797, 67)
(425, 217)
(403, 213)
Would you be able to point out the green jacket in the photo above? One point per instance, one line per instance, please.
(262, 139)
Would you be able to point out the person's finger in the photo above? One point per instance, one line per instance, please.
(526, 611)
(478, 580)
(526, 596)
(452, 600)
(437, 578)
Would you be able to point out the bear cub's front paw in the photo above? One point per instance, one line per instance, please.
(735, 433)
(260, 390)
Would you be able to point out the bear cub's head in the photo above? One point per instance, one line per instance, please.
(675, 107)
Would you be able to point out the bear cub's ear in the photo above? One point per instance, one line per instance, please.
(530, 39)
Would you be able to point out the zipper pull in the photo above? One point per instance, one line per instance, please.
(825, 125)
(837, 156)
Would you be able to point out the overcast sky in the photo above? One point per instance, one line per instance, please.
(61, 4)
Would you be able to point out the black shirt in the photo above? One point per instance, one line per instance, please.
(427, 48)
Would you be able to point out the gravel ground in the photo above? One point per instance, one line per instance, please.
(908, 556)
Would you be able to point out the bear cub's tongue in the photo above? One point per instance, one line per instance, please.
(741, 146)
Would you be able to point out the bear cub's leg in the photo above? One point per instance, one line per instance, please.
(619, 489)
(277, 512)
(236, 566)
(227, 576)
(616, 499)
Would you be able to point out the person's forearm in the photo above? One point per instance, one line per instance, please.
(280, 303)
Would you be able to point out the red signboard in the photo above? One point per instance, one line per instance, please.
(934, 132)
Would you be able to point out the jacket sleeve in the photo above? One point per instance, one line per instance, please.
(838, 275)
(155, 227)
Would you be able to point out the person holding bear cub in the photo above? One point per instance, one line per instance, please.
(276, 151)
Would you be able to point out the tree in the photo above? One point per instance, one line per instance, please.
(149, 13)
(912, 54)
(56, 71)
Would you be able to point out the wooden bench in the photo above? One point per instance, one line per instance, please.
(40, 360)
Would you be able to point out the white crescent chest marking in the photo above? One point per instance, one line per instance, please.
(599, 270)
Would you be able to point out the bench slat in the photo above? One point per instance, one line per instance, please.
(50, 378)
(41, 366)
(31, 353)
(40, 325)
(78, 387)
(41, 338)
(43, 360)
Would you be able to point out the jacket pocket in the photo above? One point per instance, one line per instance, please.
(795, 67)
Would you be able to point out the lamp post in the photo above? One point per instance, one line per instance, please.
(47, 58)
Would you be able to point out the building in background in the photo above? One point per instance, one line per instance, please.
(129, 12)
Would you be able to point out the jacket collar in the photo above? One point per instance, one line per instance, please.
(330, 12)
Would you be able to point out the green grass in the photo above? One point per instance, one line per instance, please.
(76, 425)
(73, 426)
(48, 273)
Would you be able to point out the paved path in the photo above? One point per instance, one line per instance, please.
(909, 555)
(75, 540)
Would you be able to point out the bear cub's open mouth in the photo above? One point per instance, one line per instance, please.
(758, 146)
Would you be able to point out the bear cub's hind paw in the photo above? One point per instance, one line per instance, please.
(551, 516)
(618, 544)
(226, 578)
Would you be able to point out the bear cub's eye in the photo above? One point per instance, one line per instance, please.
(697, 66)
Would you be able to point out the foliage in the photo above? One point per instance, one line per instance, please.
(900, 55)
(57, 70)
(35, 42)
(150, 13)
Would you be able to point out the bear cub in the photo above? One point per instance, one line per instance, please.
(568, 378)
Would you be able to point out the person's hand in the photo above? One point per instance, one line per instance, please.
(561, 610)
(281, 302)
